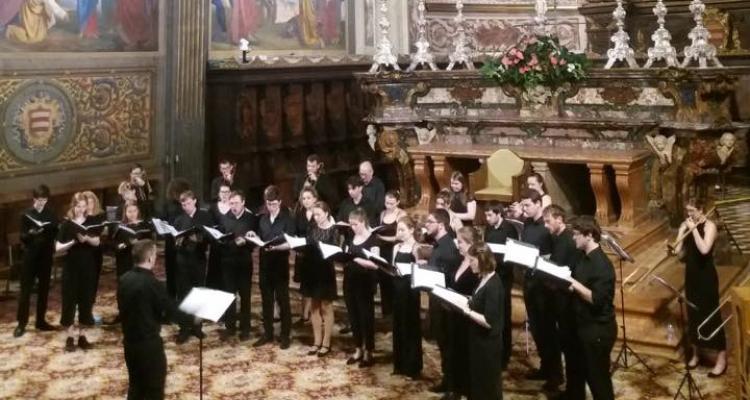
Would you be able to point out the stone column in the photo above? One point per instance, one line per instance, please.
(553, 188)
(187, 54)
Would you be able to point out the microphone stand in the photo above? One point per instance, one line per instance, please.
(687, 378)
(622, 357)
(200, 365)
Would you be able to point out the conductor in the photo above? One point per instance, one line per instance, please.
(144, 303)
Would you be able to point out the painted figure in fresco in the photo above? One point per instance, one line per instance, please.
(245, 20)
(88, 19)
(137, 21)
(36, 17)
(308, 23)
(330, 21)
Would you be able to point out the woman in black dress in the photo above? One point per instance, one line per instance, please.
(407, 327)
(79, 271)
(95, 215)
(362, 275)
(387, 234)
(217, 210)
(463, 281)
(485, 342)
(320, 276)
(303, 218)
(462, 202)
(535, 181)
(702, 284)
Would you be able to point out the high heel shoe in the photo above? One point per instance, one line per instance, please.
(314, 350)
(323, 351)
(711, 374)
(691, 364)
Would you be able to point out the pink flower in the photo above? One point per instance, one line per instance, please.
(534, 60)
(519, 55)
(563, 62)
(553, 60)
(506, 61)
(524, 69)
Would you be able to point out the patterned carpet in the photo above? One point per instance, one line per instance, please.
(35, 366)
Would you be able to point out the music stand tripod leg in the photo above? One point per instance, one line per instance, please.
(622, 357)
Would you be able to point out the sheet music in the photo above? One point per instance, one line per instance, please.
(453, 297)
(36, 222)
(163, 228)
(425, 278)
(125, 228)
(404, 269)
(375, 257)
(256, 240)
(206, 303)
(295, 242)
(560, 272)
(496, 248)
(215, 233)
(329, 250)
(520, 253)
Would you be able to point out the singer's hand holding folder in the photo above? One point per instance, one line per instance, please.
(335, 253)
(295, 242)
(521, 253)
(216, 234)
(206, 303)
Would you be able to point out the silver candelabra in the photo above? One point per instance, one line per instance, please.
(461, 53)
(423, 55)
(384, 56)
(622, 50)
(663, 49)
(700, 48)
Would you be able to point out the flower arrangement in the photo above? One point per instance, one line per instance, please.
(535, 61)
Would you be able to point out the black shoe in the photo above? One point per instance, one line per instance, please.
(70, 345)
(353, 359)
(182, 337)
(285, 343)
(536, 375)
(19, 331)
(244, 336)
(366, 362)
(83, 343)
(45, 327)
(314, 350)
(324, 351)
(262, 341)
(226, 334)
(439, 388)
(345, 330)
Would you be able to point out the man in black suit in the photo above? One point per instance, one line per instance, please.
(318, 180)
(39, 243)
(374, 189)
(227, 171)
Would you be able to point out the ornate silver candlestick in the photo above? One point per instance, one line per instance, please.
(384, 56)
(621, 39)
(663, 49)
(540, 19)
(700, 49)
(461, 53)
(423, 55)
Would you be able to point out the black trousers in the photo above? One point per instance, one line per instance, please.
(78, 288)
(591, 355)
(507, 279)
(439, 330)
(274, 286)
(361, 306)
(191, 272)
(170, 266)
(237, 273)
(147, 369)
(37, 264)
(385, 282)
(539, 301)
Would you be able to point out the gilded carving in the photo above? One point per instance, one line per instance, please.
(390, 145)
(704, 100)
(75, 121)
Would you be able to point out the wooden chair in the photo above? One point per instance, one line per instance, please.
(500, 176)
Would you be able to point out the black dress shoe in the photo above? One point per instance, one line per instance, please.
(44, 326)
(324, 351)
(366, 362)
(285, 343)
(70, 345)
(19, 331)
(262, 341)
(83, 343)
(244, 336)
(353, 359)
(439, 388)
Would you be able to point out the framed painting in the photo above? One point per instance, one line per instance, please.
(79, 25)
(285, 27)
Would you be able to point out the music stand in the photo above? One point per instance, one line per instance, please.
(622, 357)
(687, 377)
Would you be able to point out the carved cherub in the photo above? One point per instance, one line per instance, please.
(426, 134)
(372, 136)
(662, 146)
(725, 147)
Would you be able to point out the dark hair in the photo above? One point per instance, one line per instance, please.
(587, 225)
(137, 166)
(469, 235)
(40, 192)
(355, 181)
(310, 190)
(226, 160)
(532, 195)
(271, 193)
(442, 217)
(323, 206)
(696, 202)
(393, 194)
(188, 194)
(239, 193)
(446, 196)
(142, 249)
(463, 196)
(125, 210)
(539, 178)
(555, 211)
(484, 256)
(360, 215)
(495, 207)
(177, 187)
(313, 158)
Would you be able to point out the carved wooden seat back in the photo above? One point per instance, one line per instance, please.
(502, 174)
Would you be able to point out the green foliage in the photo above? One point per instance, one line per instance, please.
(537, 60)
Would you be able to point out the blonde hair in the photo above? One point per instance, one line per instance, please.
(77, 198)
(90, 196)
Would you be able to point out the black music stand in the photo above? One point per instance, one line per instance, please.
(687, 378)
(622, 357)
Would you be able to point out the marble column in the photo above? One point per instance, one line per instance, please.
(553, 188)
(187, 54)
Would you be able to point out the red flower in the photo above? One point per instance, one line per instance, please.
(553, 60)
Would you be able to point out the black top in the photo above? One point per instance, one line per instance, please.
(216, 214)
(459, 202)
(216, 185)
(301, 224)
(564, 251)
(347, 206)
(123, 239)
(144, 303)
(595, 271)
(375, 192)
(42, 238)
(172, 209)
(368, 244)
(324, 186)
(239, 227)
(445, 255)
(465, 284)
(283, 223)
(488, 301)
(184, 221)
(534, 233)
(499, 234)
